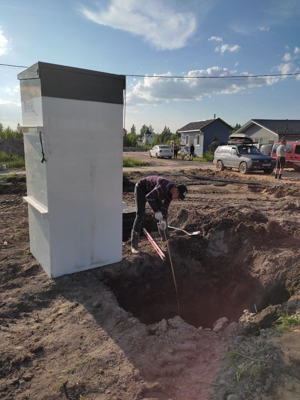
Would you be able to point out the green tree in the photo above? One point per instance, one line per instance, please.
(143, 130)
(236, 127)
(8, 133)
(132, 139)
(133, 130)
(214, 144)
(166, 135)
(157, 140)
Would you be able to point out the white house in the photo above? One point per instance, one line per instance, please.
(149, 136)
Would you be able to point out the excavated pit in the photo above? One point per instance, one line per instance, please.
(240, 261)
(211, 284)
(203, 296)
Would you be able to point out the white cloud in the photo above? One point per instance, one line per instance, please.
(10, 90)
(290, 62)
(223, 47)
(227, 47)
(155, 21)
(3, 43)
(160, 90)
(285, 68)
(287, 57)
(215, 38)
(262, 28)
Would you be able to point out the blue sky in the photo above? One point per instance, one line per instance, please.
(172, 38)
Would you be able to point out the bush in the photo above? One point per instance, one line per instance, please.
(208, 156)
(12, 160)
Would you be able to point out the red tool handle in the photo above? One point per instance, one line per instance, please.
(159, 252)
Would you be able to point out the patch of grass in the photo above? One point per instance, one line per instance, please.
(208, 156)
(257, 370)
(12, 160)
(287, 323)
(4, 178)
(130, 162)
(252, 369)
(232, 355)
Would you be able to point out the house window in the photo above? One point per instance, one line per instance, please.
(186, 139)
(198, 139)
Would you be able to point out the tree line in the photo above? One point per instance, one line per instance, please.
(8, 133)
(166, 136)
(129, 140)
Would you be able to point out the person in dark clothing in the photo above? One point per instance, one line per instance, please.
(192, 151)
(175, 150)
(158, 192)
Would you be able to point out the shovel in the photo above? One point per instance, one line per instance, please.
(182, 230)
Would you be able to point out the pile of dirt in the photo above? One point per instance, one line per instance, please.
(200, 325)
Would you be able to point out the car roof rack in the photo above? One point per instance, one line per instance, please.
(235, 138)
(241, 141)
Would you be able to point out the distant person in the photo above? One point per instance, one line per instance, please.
(192, 152)
(280, 162)
(175, 150)
(158, 192)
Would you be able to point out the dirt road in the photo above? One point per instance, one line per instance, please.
(161, 165)
(116, 332)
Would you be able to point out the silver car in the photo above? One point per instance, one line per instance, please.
(244, 156)
(161, 151)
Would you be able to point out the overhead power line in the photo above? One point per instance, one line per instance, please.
(214, 77)
(190, 77)
(15, 66)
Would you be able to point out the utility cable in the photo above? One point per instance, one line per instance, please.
(14, 66)
(190, 77)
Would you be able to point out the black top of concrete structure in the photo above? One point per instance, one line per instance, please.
(76, 83)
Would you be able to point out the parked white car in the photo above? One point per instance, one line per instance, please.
(161, 151)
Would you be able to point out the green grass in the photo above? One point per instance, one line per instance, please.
(287, 323)
(12, 160)
(130, 162)
(208, 157)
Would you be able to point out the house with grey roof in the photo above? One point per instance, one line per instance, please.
(202, 134)
(269, 131)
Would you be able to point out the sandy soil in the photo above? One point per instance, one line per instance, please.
(120, 332)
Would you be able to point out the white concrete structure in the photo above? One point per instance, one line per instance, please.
(74, 191)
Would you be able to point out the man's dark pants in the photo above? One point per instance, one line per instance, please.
(140, 202)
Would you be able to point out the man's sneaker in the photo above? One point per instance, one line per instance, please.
(135, 242)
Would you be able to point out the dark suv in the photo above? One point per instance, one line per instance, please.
(241, 153)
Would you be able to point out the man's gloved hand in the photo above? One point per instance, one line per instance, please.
(163, 230)
(158, 215)
(162, 224)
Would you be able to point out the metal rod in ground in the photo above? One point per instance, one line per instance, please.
(158, 250)
(167, 241)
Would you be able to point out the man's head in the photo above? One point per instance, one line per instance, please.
(178, 192)
(283, 141)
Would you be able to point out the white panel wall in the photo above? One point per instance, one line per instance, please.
(83, 148)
